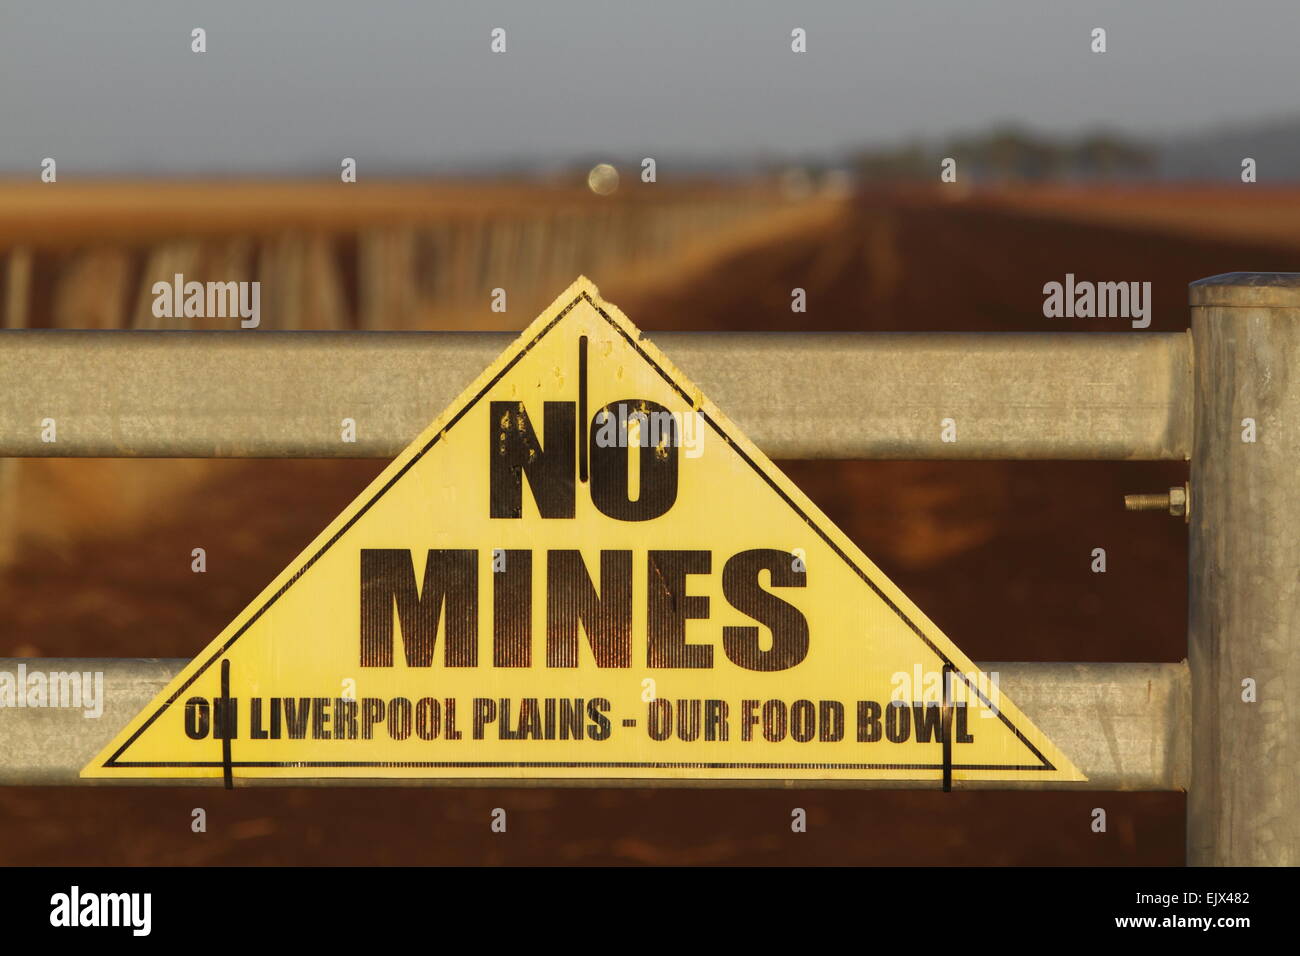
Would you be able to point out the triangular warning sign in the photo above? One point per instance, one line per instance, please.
(582, 570)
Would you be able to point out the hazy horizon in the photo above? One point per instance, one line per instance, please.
(293, 87)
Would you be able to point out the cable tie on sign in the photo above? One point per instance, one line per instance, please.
(946, 726)
(582, 409)
(227, 725)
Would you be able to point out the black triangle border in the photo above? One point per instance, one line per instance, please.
(114, 761)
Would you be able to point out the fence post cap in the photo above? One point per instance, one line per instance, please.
(1269, 290)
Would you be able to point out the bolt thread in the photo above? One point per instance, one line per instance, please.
(1146, 502)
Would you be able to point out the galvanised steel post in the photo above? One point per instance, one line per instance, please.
(1243, 806)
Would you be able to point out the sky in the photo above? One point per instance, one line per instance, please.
(289, 86)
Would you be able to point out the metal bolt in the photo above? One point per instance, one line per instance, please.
(1177, 501)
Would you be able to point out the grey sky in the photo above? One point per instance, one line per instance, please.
(291, 86)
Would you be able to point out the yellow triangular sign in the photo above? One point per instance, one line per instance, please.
(582, 570)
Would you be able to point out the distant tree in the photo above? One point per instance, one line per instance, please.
(911, 162)
(1104, 154)
(1011, 153)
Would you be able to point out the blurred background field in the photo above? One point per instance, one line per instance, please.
(381, 256)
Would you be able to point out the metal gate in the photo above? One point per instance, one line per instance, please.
(1101, 396)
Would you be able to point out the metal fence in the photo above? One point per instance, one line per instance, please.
(1220, 725)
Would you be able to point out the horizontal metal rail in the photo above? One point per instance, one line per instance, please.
(1123, 725)
(256, 394)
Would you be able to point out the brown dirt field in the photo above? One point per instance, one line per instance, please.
(1245, 212)
(44, 215)
(996, 553)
